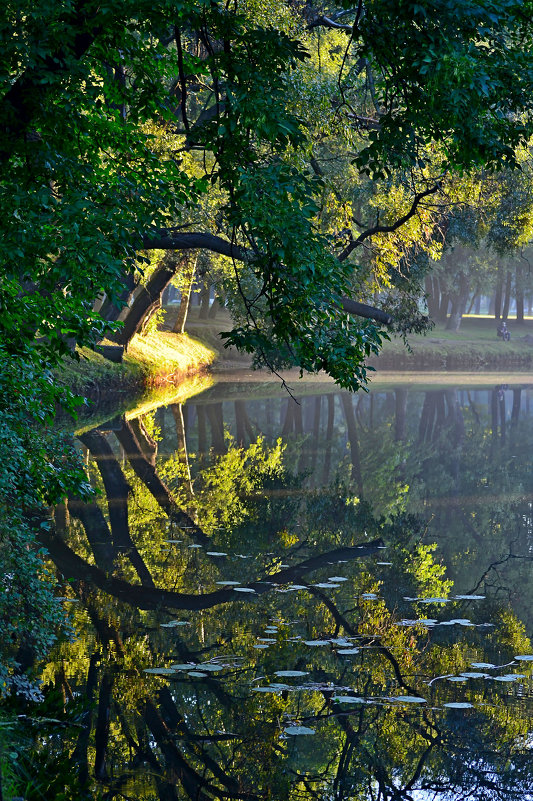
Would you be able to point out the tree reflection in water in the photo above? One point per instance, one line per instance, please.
(241, 634)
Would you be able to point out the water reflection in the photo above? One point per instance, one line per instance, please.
(272, 619)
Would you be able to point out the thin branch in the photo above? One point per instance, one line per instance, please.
(387, 229)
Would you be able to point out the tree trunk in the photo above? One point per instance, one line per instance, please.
(498, 296)
(519, 294)
(109, 310)
(189, 269)
(146, 298)
(432, 296)
(443, 308)
(204, 299)
(507, 299)
(458, 305)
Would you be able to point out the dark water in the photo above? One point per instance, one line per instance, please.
(329, 599)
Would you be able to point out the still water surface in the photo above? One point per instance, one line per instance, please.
(329, 599)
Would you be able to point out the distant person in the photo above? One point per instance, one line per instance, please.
(503, 331)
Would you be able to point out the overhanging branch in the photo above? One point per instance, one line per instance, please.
(200, 240)
(387, 229)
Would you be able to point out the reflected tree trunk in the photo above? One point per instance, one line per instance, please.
(517, 400)
(216, 422)
(242, 423)
(79, 755)
(329, 438)
(97, 532)
(117, 491)
(148, 475)
(202, 430)
(400, 416)
(183, 456)
(148, 445)
(103, 721)
(349, 415)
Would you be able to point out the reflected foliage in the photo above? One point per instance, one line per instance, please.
(244, 634)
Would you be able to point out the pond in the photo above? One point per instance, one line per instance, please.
(321, 598)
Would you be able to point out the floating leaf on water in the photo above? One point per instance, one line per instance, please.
(461, 621)
(216, 553)
(159, 671)
(409, 699)
(387, 564)
(349, 699)
(297, 587)
(476, 675)
(272, 688)
(369, 596)
(459, 705)
(525, 658)
(185, 666)
(340, 641)
(337, 578)
(509, 677)
(212, 668)
(316, 642)
(228, 583)
(291, 673)
(196, 674)
(259, 647)
(469, 597)
(243, 589)
(348, 651)
(295, 730)
(172, 624)
(172, 540)
(195, 545)
(266, 639)
(456, 678)
(433, 600)
(485, 665)
(323, 585)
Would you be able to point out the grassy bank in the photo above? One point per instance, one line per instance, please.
(474, 347)
(159, 359)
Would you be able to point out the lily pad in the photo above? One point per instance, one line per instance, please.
(337, 578)
(160, 671)
(316, 642)
(525, 658)
(469, 597)
(291, 673)
(409, 699)
(216, 553)
(475, 675)
(272, 688)
(196, 674)
(348, 651)
(172, 624)
(296, 730)
(349, 699)
(228, 583)
(486, 665)
(458, 705)
(243, 589)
